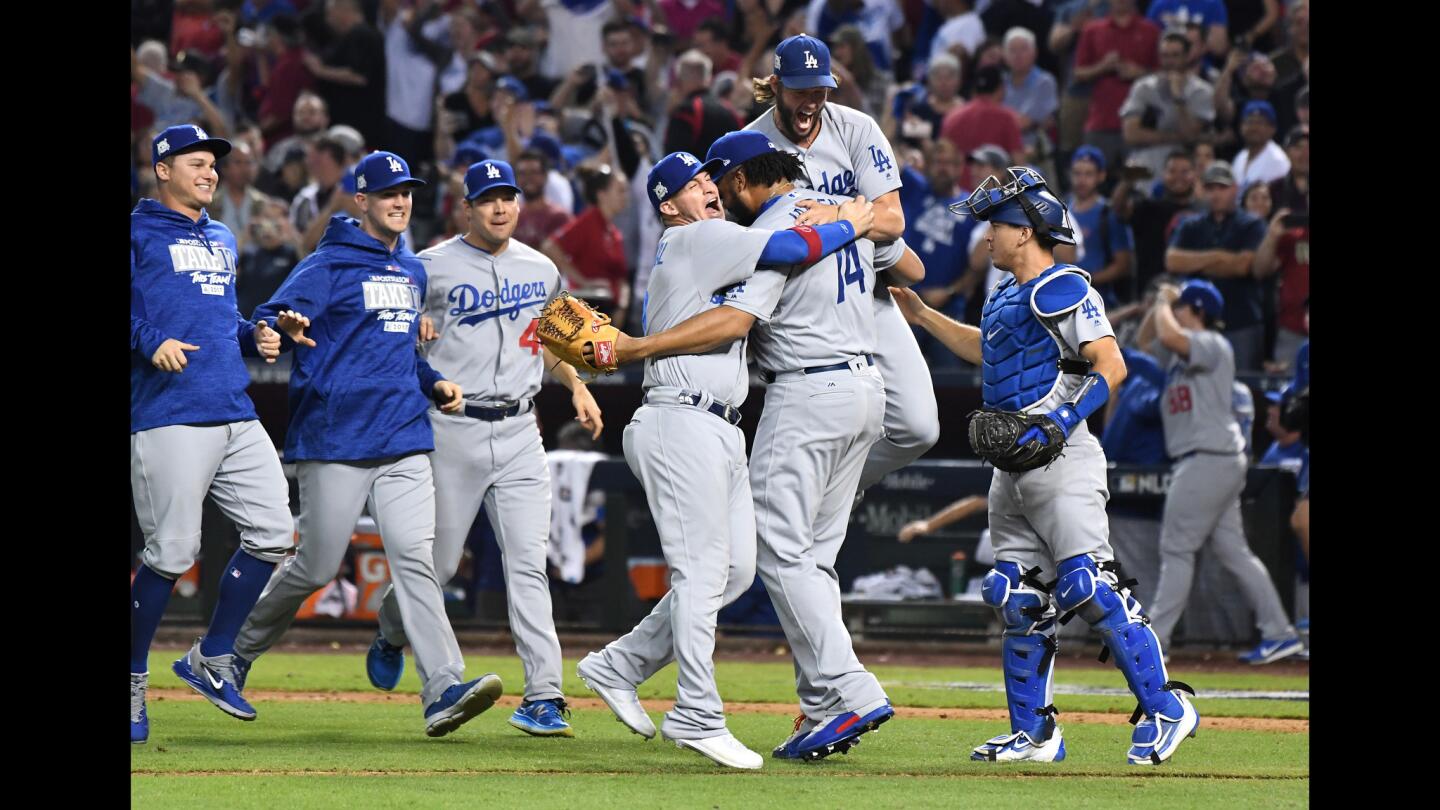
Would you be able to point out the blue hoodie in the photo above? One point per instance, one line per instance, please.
(1134, 434)
(363, 391)
(182, 286)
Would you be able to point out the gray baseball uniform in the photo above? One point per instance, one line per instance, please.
(824, 408)
(851, 156)
(692, 464)
(1205, 485)
(484, 308)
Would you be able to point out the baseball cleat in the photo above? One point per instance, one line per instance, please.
(384, 663)
(139, 719)
(461, 703)
(218, 679)
(543, 718)
(1156, 738)
(841, 732)
(1018, 747)
(803, 727)
(724, 750)
(623, 703)
(1271, 651)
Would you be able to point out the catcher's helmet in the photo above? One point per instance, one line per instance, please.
(1025, 201)
(1204, 296)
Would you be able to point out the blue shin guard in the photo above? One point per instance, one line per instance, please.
(1028, 648)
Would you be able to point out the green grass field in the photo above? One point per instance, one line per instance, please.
(315, 752)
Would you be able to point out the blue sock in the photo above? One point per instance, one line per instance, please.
(240, 586)
(149, 594)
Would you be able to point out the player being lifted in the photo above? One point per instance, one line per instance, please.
(1049, 359)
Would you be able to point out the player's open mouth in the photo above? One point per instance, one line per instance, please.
(804, 121)
(713, 204)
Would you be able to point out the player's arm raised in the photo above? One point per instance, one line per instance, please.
(1167, 328)
(959, 510)
(960, 338)
(908, 269)
(587, 411)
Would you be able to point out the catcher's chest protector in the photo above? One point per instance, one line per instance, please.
(1020, 355)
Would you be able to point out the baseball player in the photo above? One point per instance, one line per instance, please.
(484, 292)
(1202, 436)
(1049, 359)
(193, 429)
(359, 434)
(843, 153)
(687, 450)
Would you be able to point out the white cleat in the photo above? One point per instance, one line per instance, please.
(623, 703)
(724, 750)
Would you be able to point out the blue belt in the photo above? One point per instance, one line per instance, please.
(769, 376)
(729, 413)
(495, 414)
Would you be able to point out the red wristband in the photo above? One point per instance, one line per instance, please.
(812, 241)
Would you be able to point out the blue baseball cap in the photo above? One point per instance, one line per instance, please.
(513, 86)
(488, 174)
(1090, 153)
(186, 138)
(737, 147)
(1264, 108)
(1204, 296)
(672, 173)
(378, 171)
(803, 62)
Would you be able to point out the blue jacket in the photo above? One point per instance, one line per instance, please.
(1134, 434)
(182, 286)
(363, 391)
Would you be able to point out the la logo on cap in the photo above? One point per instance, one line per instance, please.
(688, 160)
(660, 190)
(199, 133)
(810, 61)
(395, 165)
(491, 171)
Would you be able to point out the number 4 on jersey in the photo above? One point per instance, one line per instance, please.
(527, 338)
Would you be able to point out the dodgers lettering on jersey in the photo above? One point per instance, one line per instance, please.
(849, 157)
(692, 264)
(817, 314)
(1197, 407)
(485, 308)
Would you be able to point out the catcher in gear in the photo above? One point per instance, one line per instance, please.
(1049, 360)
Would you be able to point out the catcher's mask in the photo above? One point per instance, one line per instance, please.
(1025, 201)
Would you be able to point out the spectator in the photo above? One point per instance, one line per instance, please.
(696, 118)
(916, 114)
(309, 118)
(938, 237)
(1261, 160)
(467, 110)
(312, 208)
(1256, 83)
(238, 200)
(1113, 53)
(1070, 18)
(686, 18)
(1167, 108)
(1286, 249)
(862, 86)
(1030, 92)
(1302, 105)
(583, 82)
(572, 25)
(522, 60)
(1221, 246)
(1256, 200)
(1209, 16)
(962, 32)
(182, 101)
(1290, 61)
(351, 72)
(1152, 220)
(712, 39)
(877, 21)
(271, 252)
(285, 76)
(982, 120)
(194, 28)
(1106, 249)
(1253, 22)
(590, 247)
(289, 177)
(1036, 18)
(255, 13)
(1286, 451)
(1293, 190)
(539, 217)
(414, 56)
(991, 53)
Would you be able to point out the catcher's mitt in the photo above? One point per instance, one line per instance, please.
(993, 434)
(568, 325)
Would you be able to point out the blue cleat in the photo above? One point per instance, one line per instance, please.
(139, 720)
(218, 679)
(1271, 651)
(789, 748)
(1156, 738)
(384, 663)
(461, 703)
(543, 718)
(838, 734)
(1019, 747)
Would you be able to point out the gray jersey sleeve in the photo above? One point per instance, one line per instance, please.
(873, 158)
(1205, 350)
(888, 254)
(1085, 323)
(760, 294)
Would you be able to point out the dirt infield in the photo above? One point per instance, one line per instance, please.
(1282, 725)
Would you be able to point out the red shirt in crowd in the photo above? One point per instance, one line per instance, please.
(288, 79)
(684, 18)
(195, 31)
(978, 122)
(1137, 41)
(539, 220)
(1293, 251)
(595, 247)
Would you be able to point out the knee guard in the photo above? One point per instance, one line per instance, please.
(1028, 648)
(1097, 593)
